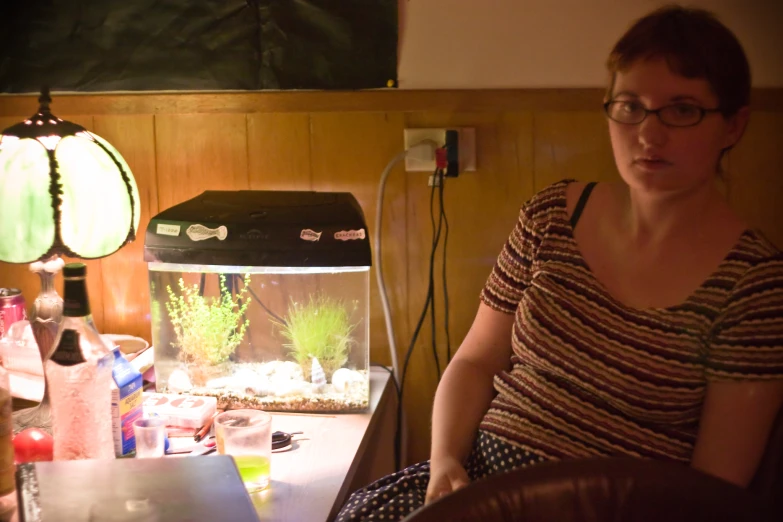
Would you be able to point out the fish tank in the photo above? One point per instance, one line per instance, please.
(261, 299)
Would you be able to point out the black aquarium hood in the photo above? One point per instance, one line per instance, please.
(264, 228)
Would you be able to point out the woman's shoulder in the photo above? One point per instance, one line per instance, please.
(546, 202)
(752, 317)
(756, 247)
(553, 204)
(758, 267)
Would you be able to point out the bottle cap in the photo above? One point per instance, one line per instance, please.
(75, 270)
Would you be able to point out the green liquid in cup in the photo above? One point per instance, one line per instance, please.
(254, 471)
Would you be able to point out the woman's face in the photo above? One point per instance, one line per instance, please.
(658, 159)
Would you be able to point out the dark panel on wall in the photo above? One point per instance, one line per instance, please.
(145, 45)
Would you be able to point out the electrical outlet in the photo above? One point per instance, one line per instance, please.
(422, 159)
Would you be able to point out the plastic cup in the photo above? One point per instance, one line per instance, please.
(246, 435)
(150, 437)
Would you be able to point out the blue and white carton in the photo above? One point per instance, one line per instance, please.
(126, 404)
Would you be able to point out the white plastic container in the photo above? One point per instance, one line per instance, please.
(184, 411)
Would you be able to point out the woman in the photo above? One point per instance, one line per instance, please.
(636, 318)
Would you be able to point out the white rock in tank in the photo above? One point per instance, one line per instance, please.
(179, 382)
(343, 379)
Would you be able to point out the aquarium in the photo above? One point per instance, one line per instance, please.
(261, 300)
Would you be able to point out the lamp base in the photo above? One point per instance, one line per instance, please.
(36, 417)
(45, 318)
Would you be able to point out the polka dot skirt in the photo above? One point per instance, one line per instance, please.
(395, 496)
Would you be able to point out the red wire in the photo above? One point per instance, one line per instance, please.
(441, 162)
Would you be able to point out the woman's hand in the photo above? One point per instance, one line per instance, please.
(446, 475)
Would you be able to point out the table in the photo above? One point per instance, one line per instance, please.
(337, 454)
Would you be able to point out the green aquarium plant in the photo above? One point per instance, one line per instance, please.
(155, 305)
(208, 329)
(319, 328)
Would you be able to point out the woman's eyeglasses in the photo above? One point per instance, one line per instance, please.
(674, 115)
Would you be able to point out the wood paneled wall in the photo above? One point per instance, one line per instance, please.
(181, 144)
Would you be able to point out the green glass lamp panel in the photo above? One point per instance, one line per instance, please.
(96, 208)
(26, 212)
(134, 188)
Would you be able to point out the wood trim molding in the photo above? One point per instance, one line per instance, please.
(487, 100)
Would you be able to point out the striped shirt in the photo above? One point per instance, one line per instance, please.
(592, 377)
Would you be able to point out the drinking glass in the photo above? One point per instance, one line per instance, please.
(150, 437)
(246, 435)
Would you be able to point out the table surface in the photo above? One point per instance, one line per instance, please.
(310, 482)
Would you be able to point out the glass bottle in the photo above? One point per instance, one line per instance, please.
(78, 375)
(7, 467)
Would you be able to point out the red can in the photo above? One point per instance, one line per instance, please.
(12, 308)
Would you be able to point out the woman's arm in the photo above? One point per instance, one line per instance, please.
(744, 376)
(463, 396)
(735, 425)
(466, 388)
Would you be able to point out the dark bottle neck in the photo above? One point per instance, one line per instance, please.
(68, 351)
(75, 303)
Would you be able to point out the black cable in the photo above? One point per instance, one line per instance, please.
(266, 309)
(440, 177)
(445, 285)
(416, 331)
(414, 337)
(393, 380)
(438, 180)
(235, 279)
(398, 420)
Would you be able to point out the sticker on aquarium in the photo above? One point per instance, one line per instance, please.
(200, 232)
(168, 230)
(347, 235)
(310, 235)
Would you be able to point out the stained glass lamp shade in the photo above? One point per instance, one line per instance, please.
(63, 191)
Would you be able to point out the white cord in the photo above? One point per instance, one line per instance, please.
(382, 287)
(379, 258)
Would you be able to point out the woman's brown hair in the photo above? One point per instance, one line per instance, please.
(695, 45)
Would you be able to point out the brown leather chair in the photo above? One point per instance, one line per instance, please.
(600, 490)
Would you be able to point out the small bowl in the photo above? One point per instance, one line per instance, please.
(128, 343)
